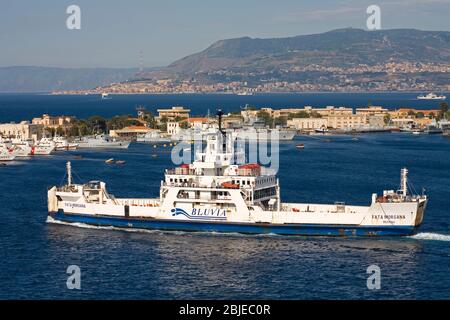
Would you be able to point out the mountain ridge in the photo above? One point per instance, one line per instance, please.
(401, 44)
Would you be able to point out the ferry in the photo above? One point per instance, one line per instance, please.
(431, 96)
(214, 194)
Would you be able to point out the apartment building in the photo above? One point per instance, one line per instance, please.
(49, 121)
(173, 113)
(22, 130)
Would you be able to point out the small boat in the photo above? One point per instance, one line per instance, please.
(63, 144)
(44, 147)
(120, 162)
(6, 155)
(300, 146)
(109, 161)
(431, 96)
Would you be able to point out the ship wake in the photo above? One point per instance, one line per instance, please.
(431, 236)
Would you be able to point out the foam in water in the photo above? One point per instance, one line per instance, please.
(419, 236)
(431, 236)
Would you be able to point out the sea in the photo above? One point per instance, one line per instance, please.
(36, 256)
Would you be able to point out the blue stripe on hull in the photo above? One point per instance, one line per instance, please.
(248, 228)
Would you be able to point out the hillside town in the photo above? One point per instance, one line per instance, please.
(390, 76)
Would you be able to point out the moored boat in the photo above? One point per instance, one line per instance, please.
(102, 142)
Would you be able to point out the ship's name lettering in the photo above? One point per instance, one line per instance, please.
(388, 216)
(75, 205)
(208, 212)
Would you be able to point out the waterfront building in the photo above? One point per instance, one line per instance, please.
(198, 122)
(23, 130)
(308, 124)
(173, 127)
(49, 121)
(231, 122)
(409, 112)
(173, 113)
(130, 132)
(372, 111)
(346, 120)
(376, 120)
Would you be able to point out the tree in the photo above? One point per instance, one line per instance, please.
(184, 125)
(150, 119)
(280, 121)
(420, 115)
(387, 119)
(300, 114)
(265, 117)
(97, 124)
(315, 114)
(60, 131)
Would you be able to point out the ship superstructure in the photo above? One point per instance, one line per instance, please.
(219, 192)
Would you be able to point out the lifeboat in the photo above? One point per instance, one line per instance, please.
(230, 185)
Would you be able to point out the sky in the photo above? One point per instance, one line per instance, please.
(113, 33)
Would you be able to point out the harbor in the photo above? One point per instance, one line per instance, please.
(304, 176)
(376, 157)
(48, 133)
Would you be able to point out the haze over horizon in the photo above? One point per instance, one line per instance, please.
(113, 33)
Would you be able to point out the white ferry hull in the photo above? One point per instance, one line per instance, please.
(378, 219)
(234, 227)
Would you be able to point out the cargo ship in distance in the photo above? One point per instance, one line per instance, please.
(214, 194)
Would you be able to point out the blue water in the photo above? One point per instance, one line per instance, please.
(34, 255)
(15, 107)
